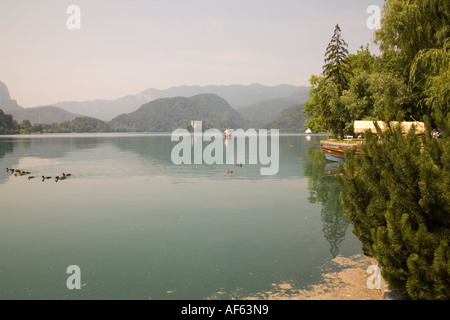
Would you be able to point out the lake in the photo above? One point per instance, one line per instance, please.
(140, 227)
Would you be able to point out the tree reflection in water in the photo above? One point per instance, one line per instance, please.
(324, 188)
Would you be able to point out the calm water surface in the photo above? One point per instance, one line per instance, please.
(140, 227)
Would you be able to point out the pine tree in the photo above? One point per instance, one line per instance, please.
(397, 196)
(336, 66)
(337, 71)
(326, 104)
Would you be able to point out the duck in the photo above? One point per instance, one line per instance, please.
(60, 178)
(26, 172)
(30, 177)
(66, 174)
(229, 171)
(238, 164)
(45, 178)
(16, 170)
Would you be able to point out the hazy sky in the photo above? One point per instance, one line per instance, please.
(127, 46)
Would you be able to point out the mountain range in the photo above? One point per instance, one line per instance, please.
(255, 105)
(44, 114)
(238, 96)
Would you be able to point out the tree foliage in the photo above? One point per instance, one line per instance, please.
(397, 192)
(414, 38)
(325, 105)
(336, 68)
(7, 124)
(397, 196)
(81, 124)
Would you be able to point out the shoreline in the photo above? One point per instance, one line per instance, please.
(350, 283)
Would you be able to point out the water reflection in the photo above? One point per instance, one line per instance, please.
(6, 148)
(324, 188)
(154, 155)
(129, 214)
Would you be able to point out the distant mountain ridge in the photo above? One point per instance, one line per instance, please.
(105, 110)
(261, 113)
(176, 107)
(39, 115)
(238, 96)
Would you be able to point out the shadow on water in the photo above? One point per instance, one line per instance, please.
(324, 188)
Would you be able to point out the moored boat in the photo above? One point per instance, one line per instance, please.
(335, 151)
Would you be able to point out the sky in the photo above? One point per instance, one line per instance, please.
(127, 46)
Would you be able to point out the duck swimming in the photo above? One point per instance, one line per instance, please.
(60, 178)
(229, 171)
(30, 177)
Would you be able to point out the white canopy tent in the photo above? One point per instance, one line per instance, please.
(362, 126)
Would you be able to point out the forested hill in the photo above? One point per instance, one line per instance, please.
(261, 113)
(291, 120)
(168, 114)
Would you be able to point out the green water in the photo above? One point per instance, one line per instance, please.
(140, 227)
